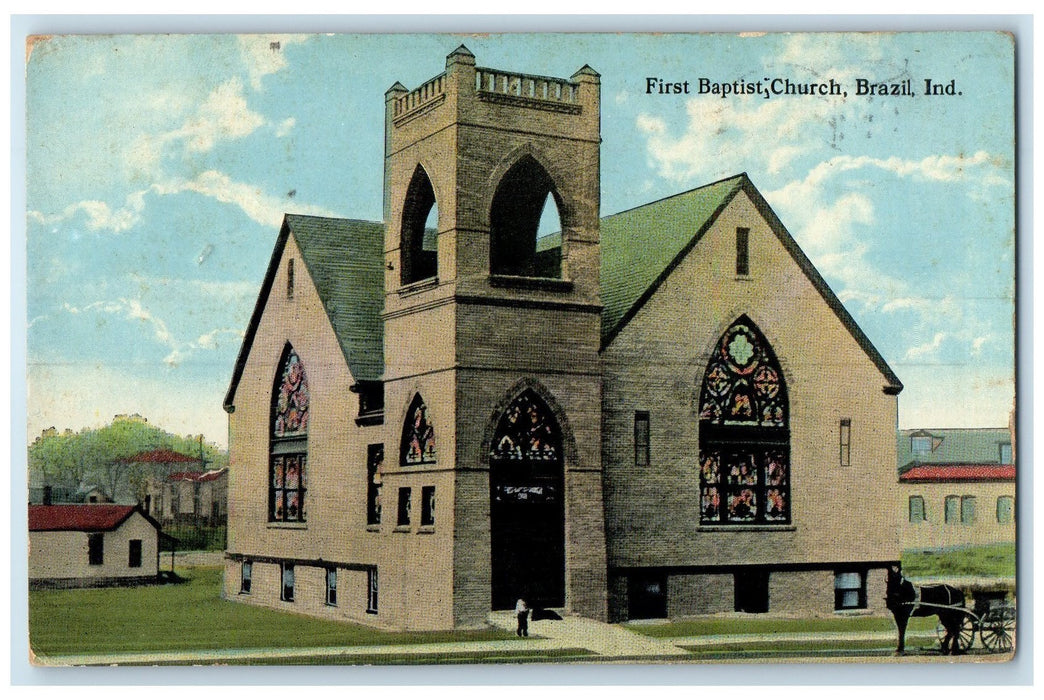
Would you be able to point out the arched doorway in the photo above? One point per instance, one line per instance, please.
(527, 506)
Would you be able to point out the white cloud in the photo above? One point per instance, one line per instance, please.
(919, 351)
(263, 54)
(285, 127)
(100, 216)
(262, 208)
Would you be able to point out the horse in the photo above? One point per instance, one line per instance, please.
(906, 600)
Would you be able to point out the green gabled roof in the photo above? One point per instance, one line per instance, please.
(952, 446)
(641, 246)
(344, 258)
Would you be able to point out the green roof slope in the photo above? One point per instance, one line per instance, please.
(344, 258)
(640, 246)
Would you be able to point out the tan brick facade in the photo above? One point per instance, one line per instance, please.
(471, 330)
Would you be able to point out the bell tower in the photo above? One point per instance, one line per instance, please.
(492, 303)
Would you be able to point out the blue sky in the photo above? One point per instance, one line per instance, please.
(159, 168)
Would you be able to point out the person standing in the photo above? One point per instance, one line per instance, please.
(522, 612)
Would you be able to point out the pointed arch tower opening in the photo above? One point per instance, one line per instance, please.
(419, 259)
(525, 223)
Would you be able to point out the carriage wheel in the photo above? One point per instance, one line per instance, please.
(965, 636)
(998, 630)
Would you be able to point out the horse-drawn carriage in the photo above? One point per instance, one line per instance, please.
(991, 618)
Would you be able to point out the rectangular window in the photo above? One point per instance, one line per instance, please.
(917, 509)
(197, 501)
(245, 574)
(331, 586)
(95, 549)
(288, 583)
(1005, 453)
(374, 463)
(641, 438)
(968, 510)
(134, 554)
(921, 444)
(849, 590)
(290, 278)
(404, 506)
(846, 442)
(952, 512)
(1005, 509)
(743, 251)
(428, 506)
(286, 491)
(371, 591)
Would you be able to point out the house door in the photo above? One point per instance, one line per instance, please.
(527, 508)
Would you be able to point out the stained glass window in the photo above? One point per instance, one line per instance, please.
(289, 442)
(418, 435)
(744, 459)
(527, 431)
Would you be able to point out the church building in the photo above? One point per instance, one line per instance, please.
(663, 412)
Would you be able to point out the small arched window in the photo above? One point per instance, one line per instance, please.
(525, 227)
(420, 220)
(288, 441)
(418, 435)
(744, 432)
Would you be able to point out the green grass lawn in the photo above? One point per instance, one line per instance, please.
(996, 560)
(717, 625)
(192, 615)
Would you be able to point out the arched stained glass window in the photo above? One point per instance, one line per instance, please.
(527, 431)
(418, 435)
(744, 460)
(289, 441)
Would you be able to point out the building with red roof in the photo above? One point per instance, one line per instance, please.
(191, 497)
(74, 546)
(958, 487)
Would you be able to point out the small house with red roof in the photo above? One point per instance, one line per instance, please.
(77, 546)
(958, 487)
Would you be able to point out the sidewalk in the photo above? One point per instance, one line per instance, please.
(566, 639)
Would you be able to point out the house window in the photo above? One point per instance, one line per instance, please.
(404, 507)
(371, 591)
(1005, 453)
(1005, 509)
(641, 438)
(846, 442)
(331, 586)
(95, 549)
(197, 501)
(744, 438)
(418, 435)
(743, 251)
(289, 441)
(849, 590)
(921, 444)
(967, 510)
(952, 510)
(917, 514)
(134, 554)
(287, 593)
(428, 506)
(245, 573)
(374, 465)
(290, 278)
